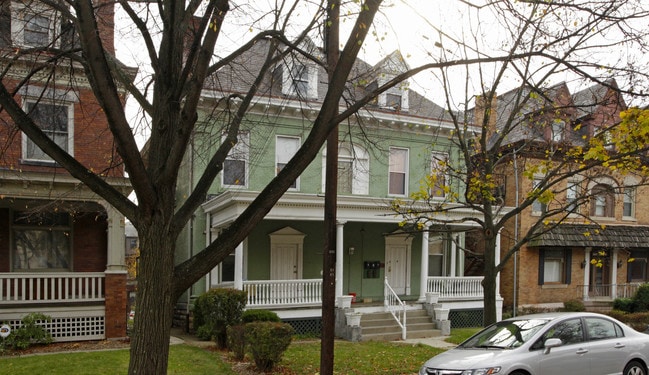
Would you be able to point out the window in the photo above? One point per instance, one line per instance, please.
(637, 270)
(571, 196)
(235, 166)
(34, 26)
(55, 120)
(41, 241)
(299, 80)
(600, 329)
(629, 202)
(398, 171)
(438, 172)
(603, 201)
(569, 332)
(353, 170)
(537, 206)
(554, 266)
(393, 101)
(285, 148)
(345, 174)
(558, 130)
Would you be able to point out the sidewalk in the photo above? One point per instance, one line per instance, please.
(178, 336)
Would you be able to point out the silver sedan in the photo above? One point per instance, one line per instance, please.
(552, 343)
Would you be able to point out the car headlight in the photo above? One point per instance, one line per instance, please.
(482, 371)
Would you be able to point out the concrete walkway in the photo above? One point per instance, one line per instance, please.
(178, 336)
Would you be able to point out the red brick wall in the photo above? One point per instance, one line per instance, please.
(116, 299)
(90, 241)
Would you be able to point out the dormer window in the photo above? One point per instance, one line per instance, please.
(300, 80)
(395, 99)
(558, 130)
(33, 26)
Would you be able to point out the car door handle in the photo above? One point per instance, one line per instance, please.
(619, 345)
(582, 351)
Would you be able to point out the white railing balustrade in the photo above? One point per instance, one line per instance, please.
(63, 287)
(395, 306)
(456, 288)
(302, 292)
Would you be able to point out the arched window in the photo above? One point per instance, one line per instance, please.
(603, 201)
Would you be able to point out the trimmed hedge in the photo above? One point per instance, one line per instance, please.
(261, 315)
(216, 310)
(267, 342)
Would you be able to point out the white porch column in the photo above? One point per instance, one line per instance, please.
(116, 240)
(614, 274)
(453, 257)
(586, 272)
(208, 240)
(238, 267)
(423, 278)
(340, 252)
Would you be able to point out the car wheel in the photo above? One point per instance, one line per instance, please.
(634, 368)
(523, 373)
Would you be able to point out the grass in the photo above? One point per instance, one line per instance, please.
(460, 334)
(183, 359)
(301, 358)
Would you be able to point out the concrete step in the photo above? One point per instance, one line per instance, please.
(383, 327)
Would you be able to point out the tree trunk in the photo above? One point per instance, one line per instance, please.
(154, 302)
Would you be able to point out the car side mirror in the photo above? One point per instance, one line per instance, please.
(551, 343)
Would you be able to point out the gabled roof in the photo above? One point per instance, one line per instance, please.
(239, 75)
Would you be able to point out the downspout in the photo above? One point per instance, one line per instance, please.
(517, 220)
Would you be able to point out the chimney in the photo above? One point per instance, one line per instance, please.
(483, 110)
(106, 24)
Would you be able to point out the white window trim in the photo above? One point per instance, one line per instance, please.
(277, 156)
(401, 90)
(633, 196)
(288, 86)
(535, 182)
(577, 191)
(435, 158)
(360, 171)
(244, 141)
(558, 130)
(18, 15)
(407, 169)
(25, 139)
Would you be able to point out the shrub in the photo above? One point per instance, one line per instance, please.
(237, 341)
(216, 310)
(250, 316)
(638, 321)
(641, 299)
(30, 332)
(623, 304)
(574, 305)
(267, 342)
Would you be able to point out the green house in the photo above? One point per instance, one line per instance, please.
(385, 152)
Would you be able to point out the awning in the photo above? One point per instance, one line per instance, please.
(582, 235)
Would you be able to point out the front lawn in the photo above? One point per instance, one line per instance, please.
(301, 358)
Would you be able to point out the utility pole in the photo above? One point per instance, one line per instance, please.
(330, 210)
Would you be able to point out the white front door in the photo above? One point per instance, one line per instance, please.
(396, 266)
(284, 262)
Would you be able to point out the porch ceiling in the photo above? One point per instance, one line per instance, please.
(582, 235)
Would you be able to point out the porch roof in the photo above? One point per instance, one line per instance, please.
(584, 235)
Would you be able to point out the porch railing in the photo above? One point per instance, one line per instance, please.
(454, 288)
(395, 306)
(302, 292)
(606, 290)
(38, 288)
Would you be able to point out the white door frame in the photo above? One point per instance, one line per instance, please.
(283, 237)
(401, 240)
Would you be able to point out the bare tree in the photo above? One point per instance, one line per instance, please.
(528, 124)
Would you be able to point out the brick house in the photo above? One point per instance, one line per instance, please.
(61, 246)
(586, 257)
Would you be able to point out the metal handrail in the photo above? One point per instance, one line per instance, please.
(396, 307)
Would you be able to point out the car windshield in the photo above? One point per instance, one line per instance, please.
(505, 334)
